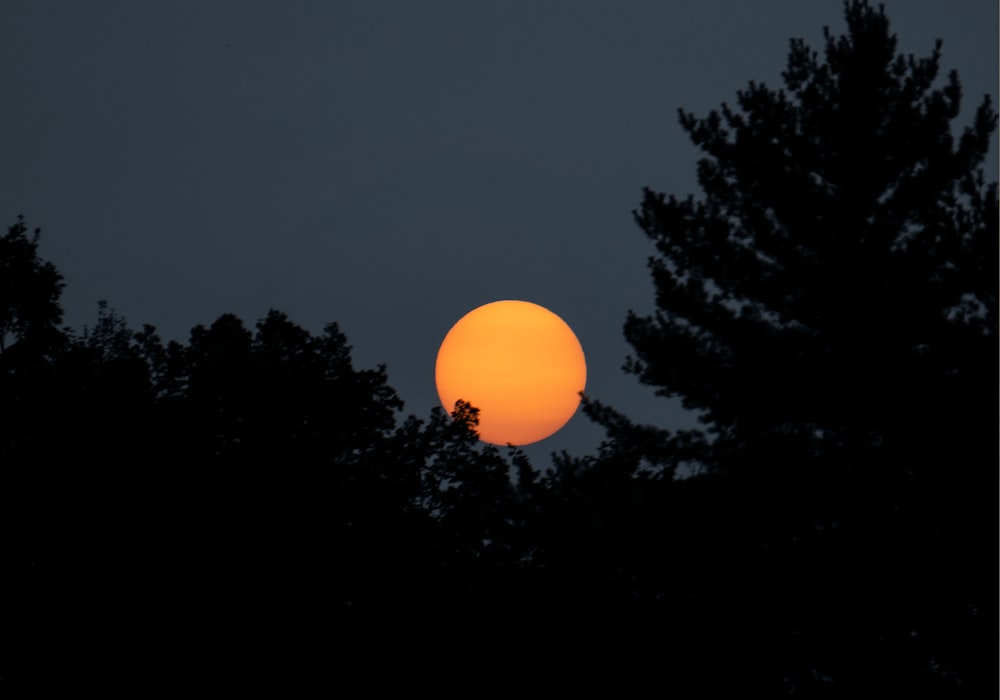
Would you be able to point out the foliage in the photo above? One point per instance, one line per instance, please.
(843, 239)
(29, 290)
(248, 503)
(253, 483)
(829, 309)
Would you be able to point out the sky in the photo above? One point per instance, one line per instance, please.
(390, 166)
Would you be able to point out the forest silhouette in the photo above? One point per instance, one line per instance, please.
(247, 506)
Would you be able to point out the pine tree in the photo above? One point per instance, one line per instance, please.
(828, 308)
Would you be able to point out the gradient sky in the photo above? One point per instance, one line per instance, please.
(389, 165)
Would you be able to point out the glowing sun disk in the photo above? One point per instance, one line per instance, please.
(517, 362)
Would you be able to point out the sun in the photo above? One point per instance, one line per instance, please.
(519, 364)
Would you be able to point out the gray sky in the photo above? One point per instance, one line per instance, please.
(389, 165)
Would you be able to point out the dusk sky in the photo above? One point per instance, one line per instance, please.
(390, 165)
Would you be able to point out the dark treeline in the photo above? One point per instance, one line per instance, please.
(248, 506)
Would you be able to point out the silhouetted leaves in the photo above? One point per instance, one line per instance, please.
(248, 504)
(29, 292)
(825, 309)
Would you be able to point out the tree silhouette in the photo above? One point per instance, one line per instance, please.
(829, 310)
(251, 485)
(247, 504)
(29, 290)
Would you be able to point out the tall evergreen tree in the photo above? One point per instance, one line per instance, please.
(828, 308)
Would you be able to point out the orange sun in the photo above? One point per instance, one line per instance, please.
(519, 364)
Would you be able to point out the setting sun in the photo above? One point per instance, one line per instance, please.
(519, 364)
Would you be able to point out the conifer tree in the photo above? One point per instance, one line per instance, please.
(828, 308)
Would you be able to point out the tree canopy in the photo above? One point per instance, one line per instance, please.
(828, 307)
(248, 504)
